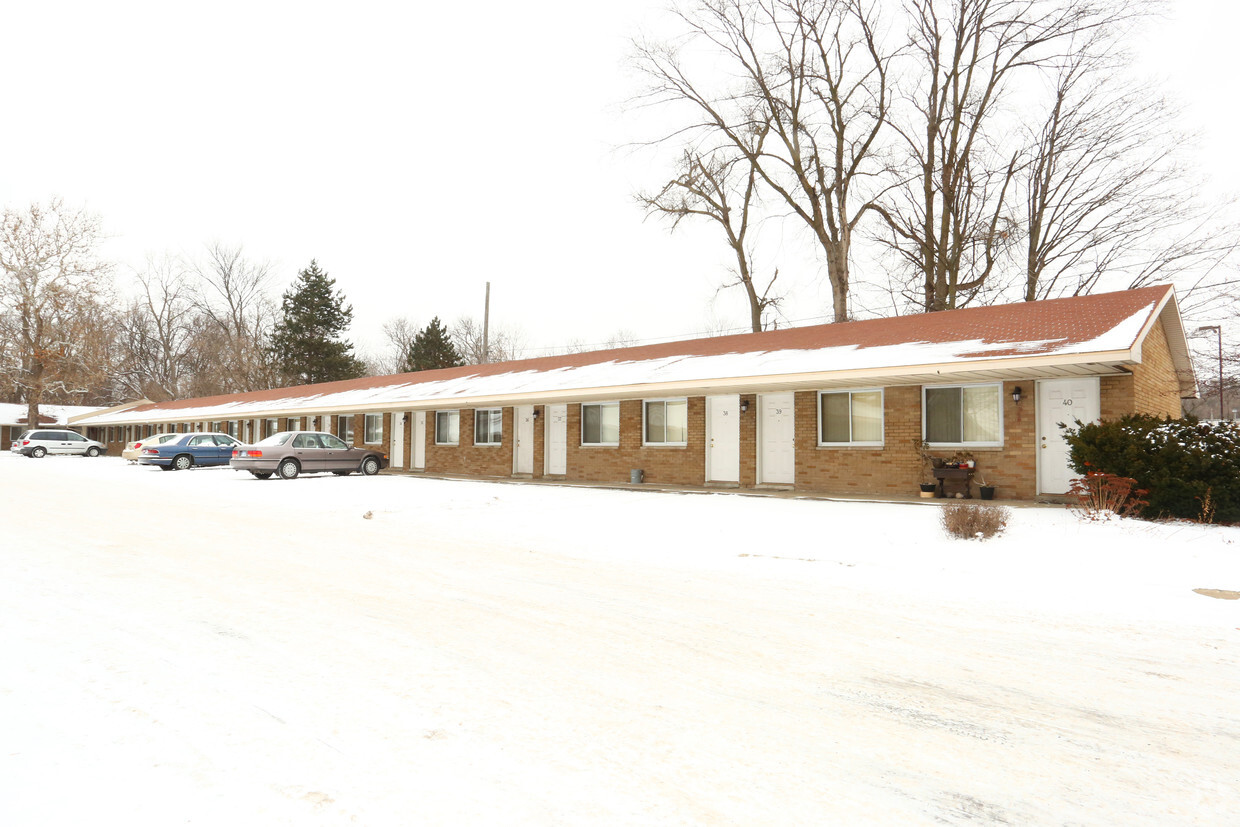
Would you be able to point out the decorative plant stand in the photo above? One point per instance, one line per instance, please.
(954, 482)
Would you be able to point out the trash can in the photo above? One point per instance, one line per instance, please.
(635, 476)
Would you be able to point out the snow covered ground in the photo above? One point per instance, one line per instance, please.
(204, 648)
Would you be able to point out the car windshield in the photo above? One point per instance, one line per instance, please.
(276, 439)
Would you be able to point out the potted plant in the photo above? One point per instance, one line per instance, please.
(986, 489)
(929, 487)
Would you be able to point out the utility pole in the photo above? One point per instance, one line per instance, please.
(486, 327)
(1219, 330)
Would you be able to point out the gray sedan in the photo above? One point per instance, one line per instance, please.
(291, 453)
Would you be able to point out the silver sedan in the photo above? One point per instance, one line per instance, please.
(292, 453)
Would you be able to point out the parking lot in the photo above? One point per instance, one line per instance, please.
(205, 647)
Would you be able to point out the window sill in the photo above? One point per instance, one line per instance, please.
(867, 446)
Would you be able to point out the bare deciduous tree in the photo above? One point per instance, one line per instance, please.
(503, 344)
(952, 219)
(158, 332)
(53, 285)
(398, 335)
(1104, 193)
(807, 117)
(234, 295)
(720, 189)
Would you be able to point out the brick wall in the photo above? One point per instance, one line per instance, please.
(1152, 387)
(540, 441)
(1156, 390)
(466, 457)
(749, 441)
(896, 469)
(672, 465)
(1118, 397)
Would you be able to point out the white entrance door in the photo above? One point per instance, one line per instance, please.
(1068, 401)
(556, 440)
(723, 438)
(776, 436)
(419, 441)
(523, 456)
(396, 450)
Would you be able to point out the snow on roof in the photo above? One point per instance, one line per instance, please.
(1070, 328)
(15, 414)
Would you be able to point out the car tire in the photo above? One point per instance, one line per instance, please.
(262, 475)
(38, 452)
(289, 469)
(370, 466)
(182, 462)
(93, 451)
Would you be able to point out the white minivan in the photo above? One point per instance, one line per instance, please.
(39, 443)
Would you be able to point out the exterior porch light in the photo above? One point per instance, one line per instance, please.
(1016, 395)
(744, 406)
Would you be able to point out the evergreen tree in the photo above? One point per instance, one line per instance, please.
(432, 348)
(306, 343)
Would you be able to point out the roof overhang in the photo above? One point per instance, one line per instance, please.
(1022, 368)
(84, 419)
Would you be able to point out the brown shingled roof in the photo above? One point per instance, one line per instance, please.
(1058, 322)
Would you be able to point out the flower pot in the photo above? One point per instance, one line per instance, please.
(987, 491)
(928, 490)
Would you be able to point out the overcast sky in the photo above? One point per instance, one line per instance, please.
(418, 151)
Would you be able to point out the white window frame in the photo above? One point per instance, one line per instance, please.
(367, 419)
(457, 414)
(852, 443)
(490, 412)
(998, 386)
(585, 444)
(664, 402)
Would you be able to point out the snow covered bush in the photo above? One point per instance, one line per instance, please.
(1190, 469)
(974, 522)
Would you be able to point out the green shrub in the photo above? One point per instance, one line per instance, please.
(1191, 469)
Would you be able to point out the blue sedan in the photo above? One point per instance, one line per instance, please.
(189, 450)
